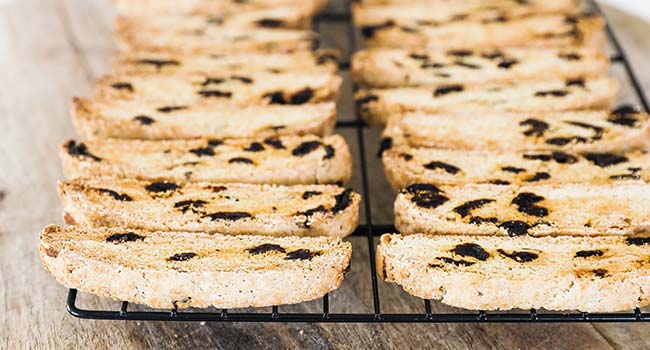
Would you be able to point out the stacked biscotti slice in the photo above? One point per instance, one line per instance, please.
(519, 187)
(207, 173)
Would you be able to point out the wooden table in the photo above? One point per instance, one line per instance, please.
(51, 50)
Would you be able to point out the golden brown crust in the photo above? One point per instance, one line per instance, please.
(181, 269)
(300, 210)
(392, 68)
(217, 40)
(406, 165)
(602, 131)
(536, 210)
(377, 105)
(175, 7)
(533, 31)
(252, 88)
(272, 160)
(165, 62)
(101, 119)
(602, 274)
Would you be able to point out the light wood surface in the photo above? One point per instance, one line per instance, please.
(51, 50)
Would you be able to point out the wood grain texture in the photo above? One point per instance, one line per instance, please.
(51, 50)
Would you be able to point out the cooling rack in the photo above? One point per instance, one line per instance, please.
(370, 230)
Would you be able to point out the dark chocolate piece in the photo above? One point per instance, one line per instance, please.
(426, 195)
(604, 160)
(203, 151)
(228, 215)
(124, 237)
(117, 196)
(464, 209)
(305, 148)
(80, 150)
(471, 249)
(447, 89)
(181, 256)
(441, 165)
(144, 120)
(265, 248)
(161, 186)
(525, 203)
(521, 257)
(301, 254)
(515, 227)
(588, 253)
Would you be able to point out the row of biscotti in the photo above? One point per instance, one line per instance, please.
(505, 55)
(225, 92)
(510, 139)
(218, 28)
(461, 25)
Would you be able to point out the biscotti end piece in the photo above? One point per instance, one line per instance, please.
(95, 118)
(392, 68)
(617, 209)
(181, 269)
(376, 106)
(406, 165)
(601, 274)
(229, 208)
(287, 160)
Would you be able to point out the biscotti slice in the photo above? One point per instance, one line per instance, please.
(589, 274)
(545, 30)
(95, 118)
(619, 208)
(376, 105)
(300, 210)
(189, 7)
(175, 63)
(405, 166)
(190, 269)
(621, 130)
(279, 17)
(218, 40)
(389, 68)
(427, 14)
(238, 89)
(287, 160)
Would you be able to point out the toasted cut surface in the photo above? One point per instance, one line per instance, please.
(175, 7)
(624, 129)
(287, 160)
(100, 118)
(301, 210)
(389, 68)
(595, 274)
(279, 17)
(377, 105)
(543, 30)
(429, 14)
(238, 89)
(189, 269)
(217, 40)
(406, 165)
(619, 208)
(178, 63)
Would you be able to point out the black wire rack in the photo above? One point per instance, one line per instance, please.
(371, 230)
